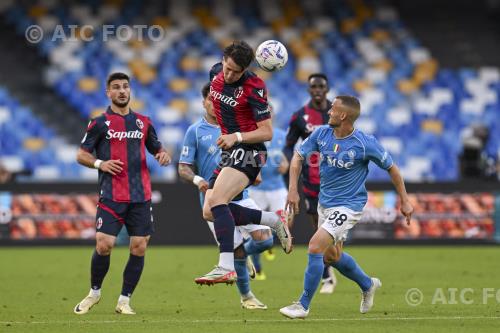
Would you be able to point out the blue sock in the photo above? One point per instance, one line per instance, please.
(98, 268)
(254, 247)
(240, 265)
(224, 227)
(132, 274)
(348, 267)
(326, 274)
(244, 216)
(256, 262)
(312, 277)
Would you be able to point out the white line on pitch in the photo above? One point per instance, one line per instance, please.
(207, 321)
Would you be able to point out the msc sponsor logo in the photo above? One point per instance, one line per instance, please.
(338, 163)
(112, 134)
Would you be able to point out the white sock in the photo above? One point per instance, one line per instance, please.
(269, 218)
(226, 260)
(248, 295)
(95, 292)
(123, 299)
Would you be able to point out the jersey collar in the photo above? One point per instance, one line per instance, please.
(206, 122)
(345, 137)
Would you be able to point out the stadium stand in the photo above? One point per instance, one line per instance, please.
(418, 109)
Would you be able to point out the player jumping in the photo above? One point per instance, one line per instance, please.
(239, 99)
(200, 153)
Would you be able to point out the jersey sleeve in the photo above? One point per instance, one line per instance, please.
(257, 99)
(377, 154)
(188, 154)
(309, 145)
(292, 136)
(92, 136)
(153, 145)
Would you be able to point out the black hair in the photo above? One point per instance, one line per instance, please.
(205, 90)
(241, 53)
(319, 76)
(116, 76)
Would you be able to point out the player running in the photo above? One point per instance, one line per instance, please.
(239, 99)
(120, 138)
(345, 155)
(200, 153)
(302, 124)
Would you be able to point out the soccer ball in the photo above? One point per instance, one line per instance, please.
(271, 55)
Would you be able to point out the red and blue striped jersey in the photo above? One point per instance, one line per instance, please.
(125, 138)
(302, 124)
(238, 106)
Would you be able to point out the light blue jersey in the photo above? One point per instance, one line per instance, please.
(200, 149)
(344, 165)
(271, 179)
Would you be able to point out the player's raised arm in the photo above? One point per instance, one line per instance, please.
(399, 185)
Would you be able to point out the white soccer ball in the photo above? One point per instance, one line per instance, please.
(271, 55)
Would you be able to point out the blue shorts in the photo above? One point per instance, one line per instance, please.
(136, 216)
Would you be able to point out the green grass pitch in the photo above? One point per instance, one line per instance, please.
(40, 286)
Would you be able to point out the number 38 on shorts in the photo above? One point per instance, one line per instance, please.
(337, 221)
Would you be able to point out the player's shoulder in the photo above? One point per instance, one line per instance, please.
(364, 137)
(142, 117)
(298, 113)
(194, 126)
(97, 121)
(253, 80)
(216, 69)
(323, 129)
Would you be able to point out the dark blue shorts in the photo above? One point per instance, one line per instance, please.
(136, 216)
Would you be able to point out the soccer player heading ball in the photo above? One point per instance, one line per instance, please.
(119, 138)
(239, 99)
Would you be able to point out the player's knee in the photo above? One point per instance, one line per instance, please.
(138, 249)
(331, 257)
(314, 248)
(103, 248)
(207, 213)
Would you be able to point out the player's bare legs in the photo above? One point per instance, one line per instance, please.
(98, 268)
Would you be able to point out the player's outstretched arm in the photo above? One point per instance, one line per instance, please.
(186, 171)
(293, 198)
(85, 158)
(397, 181)
(263, 133)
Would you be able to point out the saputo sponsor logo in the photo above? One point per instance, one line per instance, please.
(223, 98)
(112, 134)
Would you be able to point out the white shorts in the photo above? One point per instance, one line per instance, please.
(337, 221)
(241, 232)
(269, 200)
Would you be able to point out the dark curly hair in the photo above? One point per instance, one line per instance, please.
(241, 53)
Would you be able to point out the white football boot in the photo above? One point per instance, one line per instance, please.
(86, 304)
(368, 296)
(294, 311)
